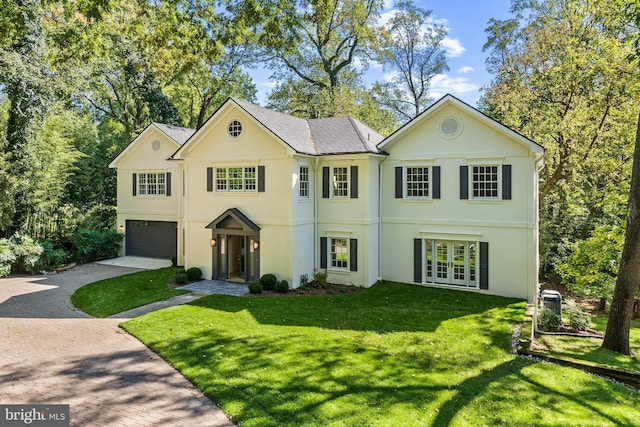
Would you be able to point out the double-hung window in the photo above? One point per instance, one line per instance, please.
(236, 179)
(417, 182)
(485, 182)
(340, 181)
(152, 184)
(303, 180)
(339, 253)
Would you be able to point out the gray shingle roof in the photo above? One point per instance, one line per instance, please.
(334, 135)
(178, 134)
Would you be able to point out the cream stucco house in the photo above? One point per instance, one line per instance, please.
(450, 199)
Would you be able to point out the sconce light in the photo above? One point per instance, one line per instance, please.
(121, 229)
(213, 242)
(256, 245)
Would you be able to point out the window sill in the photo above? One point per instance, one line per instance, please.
(486, 201)
(417, 199)
(338, 271)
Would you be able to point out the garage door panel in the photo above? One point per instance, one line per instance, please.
(152, 239)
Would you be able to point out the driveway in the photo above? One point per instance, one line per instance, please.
(50, 352)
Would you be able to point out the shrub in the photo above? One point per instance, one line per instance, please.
(579, 319)
(174, 261)
(51, 258)
(255, 288)
(320, 278)
(27, 252)
(90, 246)
(194, 273)
(550, 320)
(181, 278)
(282, 286)
(7, 257)
(268, 282)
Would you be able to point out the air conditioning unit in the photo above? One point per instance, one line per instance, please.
(552, 300)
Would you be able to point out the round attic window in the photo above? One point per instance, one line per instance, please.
(235, 129)
(156, 145)
(450, 127)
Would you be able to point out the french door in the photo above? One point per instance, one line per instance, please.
(451, 262)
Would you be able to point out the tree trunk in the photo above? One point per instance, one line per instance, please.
(636, 309)
(621, 312)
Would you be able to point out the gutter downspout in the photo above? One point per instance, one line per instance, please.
(380, 217)
(315, 216)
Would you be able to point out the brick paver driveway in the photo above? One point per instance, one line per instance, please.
(51, 352)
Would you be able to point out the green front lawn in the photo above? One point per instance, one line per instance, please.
(590, 348)
(391, 355)
(118, 294)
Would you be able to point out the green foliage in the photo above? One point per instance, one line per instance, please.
(579, 319)
(90, 246)
(181, 278)
(320, 278)
(51, 258)
(255, 287)
(591, 267)
(268, 282)
(282, 286)
(194, 273)
(563, 78)
(7, 257)
(550, 320)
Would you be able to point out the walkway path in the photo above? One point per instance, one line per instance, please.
(51, 352)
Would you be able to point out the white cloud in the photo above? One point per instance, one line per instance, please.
(442, 84)
(389, 76)
(466, 69)
(453, 47)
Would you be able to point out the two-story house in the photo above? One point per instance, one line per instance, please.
(450, 199)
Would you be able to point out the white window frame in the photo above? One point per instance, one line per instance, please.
(429, 183)
(236, 179)
(152, 184)
(333, 255)
(335, 190)
(472, 182)
(303, 184)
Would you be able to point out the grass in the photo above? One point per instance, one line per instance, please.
(391, 355)
(118, 294)
(589, 348)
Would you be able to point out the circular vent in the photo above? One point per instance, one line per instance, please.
(450, 127)
(155, 145)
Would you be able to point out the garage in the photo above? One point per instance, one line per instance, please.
(151, 239)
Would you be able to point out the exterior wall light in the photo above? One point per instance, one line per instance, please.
(256, 245)
(213, 242)
(121, 229)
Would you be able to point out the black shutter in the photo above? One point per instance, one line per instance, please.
(168, 183)
(260, 179)
(436, 181)
(398, 182)
(323, 252)
(353, 255)
(506, 182)
(417, 260)
(325, 182)
(464, 182)
(484, 265)
(135, 183)
(209, 179)
(354, 183)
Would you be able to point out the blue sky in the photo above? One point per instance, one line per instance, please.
(466, 21)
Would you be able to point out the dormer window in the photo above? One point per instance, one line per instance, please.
(235, 129)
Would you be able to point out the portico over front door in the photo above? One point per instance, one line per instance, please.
(235, 247)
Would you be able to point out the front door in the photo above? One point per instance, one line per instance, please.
(236, 257)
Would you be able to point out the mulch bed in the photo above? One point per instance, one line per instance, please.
(311, 289)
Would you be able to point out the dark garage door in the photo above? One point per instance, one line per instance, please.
(152, 239)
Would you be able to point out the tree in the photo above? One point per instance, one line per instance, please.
(415, 55)
(563, 79)
(616, 337)
(320, 50)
